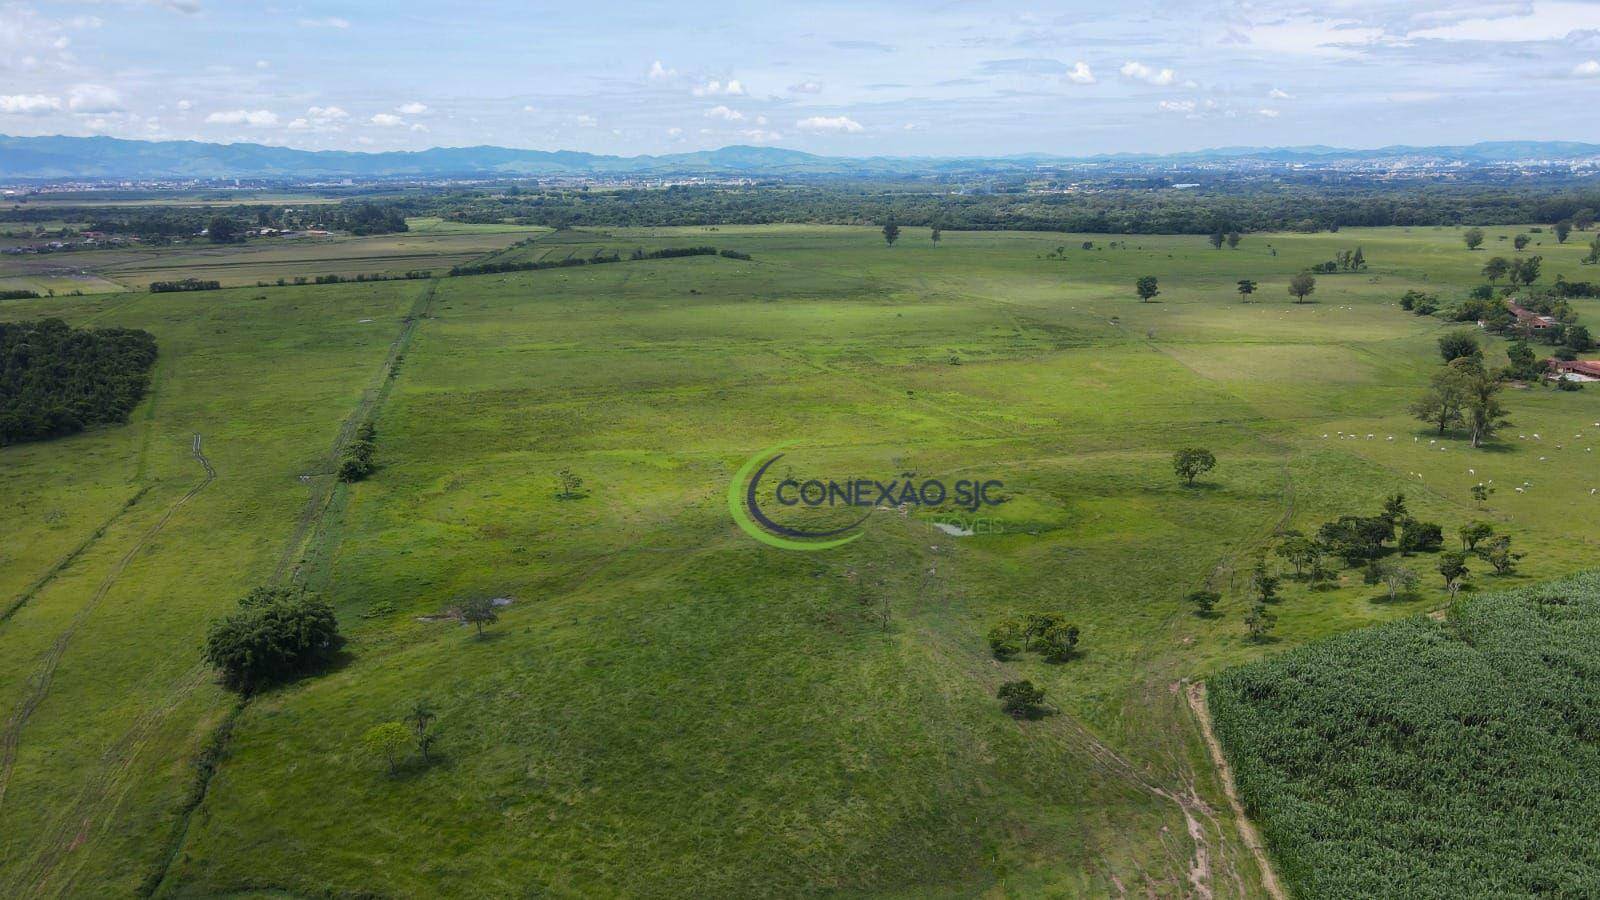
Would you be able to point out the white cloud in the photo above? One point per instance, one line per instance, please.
(1276, 94)
(326, 113)
(1080, 73)
(387, 120)
(1177, 106)
(1138, 71)
(1587, 69)
(419, 128)
(329, 22)
(185, 104)
(834, 124)
(762, 135)
(717, 89)
(28, 104)
(724, 113)
(658, 71)
(529, 109)
(1267, 113)
(806, 87)
(587, 121)
(1542, 20)
(257, 118)
(263, 64)
(93, 98)
(412, 109)
(674, 132)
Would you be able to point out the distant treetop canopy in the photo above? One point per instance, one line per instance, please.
(56, 380)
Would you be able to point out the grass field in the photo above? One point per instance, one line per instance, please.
(431, 244)
(668, 707)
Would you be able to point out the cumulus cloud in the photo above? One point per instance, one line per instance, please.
(1276, 94)
(28, 104)
(412, 109)
(674, 132)
(255, 118)
(724, 113)
(1587, 69)
(93, 98)
(319, 118)
(830, 124)
(185, 104)
(1267, 113)
(328, 22)
(719, 89)
(1177, 106)
(1138, 71)
(1080, 73)
(761, 135)
(806, 87)
(387, 120)
(659, 71)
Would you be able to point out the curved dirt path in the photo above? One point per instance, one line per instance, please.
(11, 737)
(1196, 694)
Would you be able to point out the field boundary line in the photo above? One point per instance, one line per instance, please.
(1248, 833)
(65, 561)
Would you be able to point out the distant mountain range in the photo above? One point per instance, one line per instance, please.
(105, 157)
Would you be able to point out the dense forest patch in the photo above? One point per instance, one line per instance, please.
(56, 380)
(1421, 758)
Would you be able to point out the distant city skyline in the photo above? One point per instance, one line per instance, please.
(966, 77)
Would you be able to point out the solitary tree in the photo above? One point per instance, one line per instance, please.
(1147, 288)
(1473, 238)
(1302, 285)
(1392, 575)
(1562, 230)
(891, 232)
(936, 235)
(1203, 602)
(1216, 239)
(387, 742)
(1497, 553)
(1521, 241)
(1482, 408)
(1525, 271)
(1259, 622)
(420, 717)
(570, 483)
(1020, 699)
(1246, 288)
(1192, 462)
(1233, 240)
(1473, 533)
(1459, 344)
(1446, 398)
(1301, 552)
(1496, 268)
(1263, 582)
(479, 611)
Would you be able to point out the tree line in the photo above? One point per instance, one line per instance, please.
(57, 380)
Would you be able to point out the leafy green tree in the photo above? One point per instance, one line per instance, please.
(1258, 623)
(1302, 286)
(1496, 268)
(1459, 344)
(1020, 699)
(1299, 550)
(1420, 537)
(1192, 462)
(1524, 363)
(1204, 602)
(222, 230)
(420, 717)
(1525, 271)
(1473, 238)
(1394, 508)
(1217, 239)
(936, 235)
(891, 232)
(1233, 240)
(1263, 583)
(570, 483)
(1444, 402)
(1497, 553)
(1453, 568)
(1147, 288)
(1356, 538)
(1521, 241)
(387, 742)
(277, 637)
(1482, 408)
(1481, 492)
(1562, 230)
(479, 611)
(1246, 288)
(1473, 533)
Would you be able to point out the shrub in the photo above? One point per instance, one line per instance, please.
(1420, 537)
(1020, 699)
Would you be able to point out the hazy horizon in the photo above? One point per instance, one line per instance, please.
(861, 79)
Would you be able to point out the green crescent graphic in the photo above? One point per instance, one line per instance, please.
(742, 518)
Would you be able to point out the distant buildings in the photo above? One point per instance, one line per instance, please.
(1575, 369)
(1529, 319)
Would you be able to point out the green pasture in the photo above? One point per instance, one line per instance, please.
(667, 707)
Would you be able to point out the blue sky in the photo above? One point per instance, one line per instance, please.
(964, 77)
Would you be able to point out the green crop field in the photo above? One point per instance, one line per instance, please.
(667, 707)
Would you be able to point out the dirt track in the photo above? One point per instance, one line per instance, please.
(1196, 694)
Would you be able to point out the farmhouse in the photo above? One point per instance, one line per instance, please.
(1576, 369)
(1529, 319)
